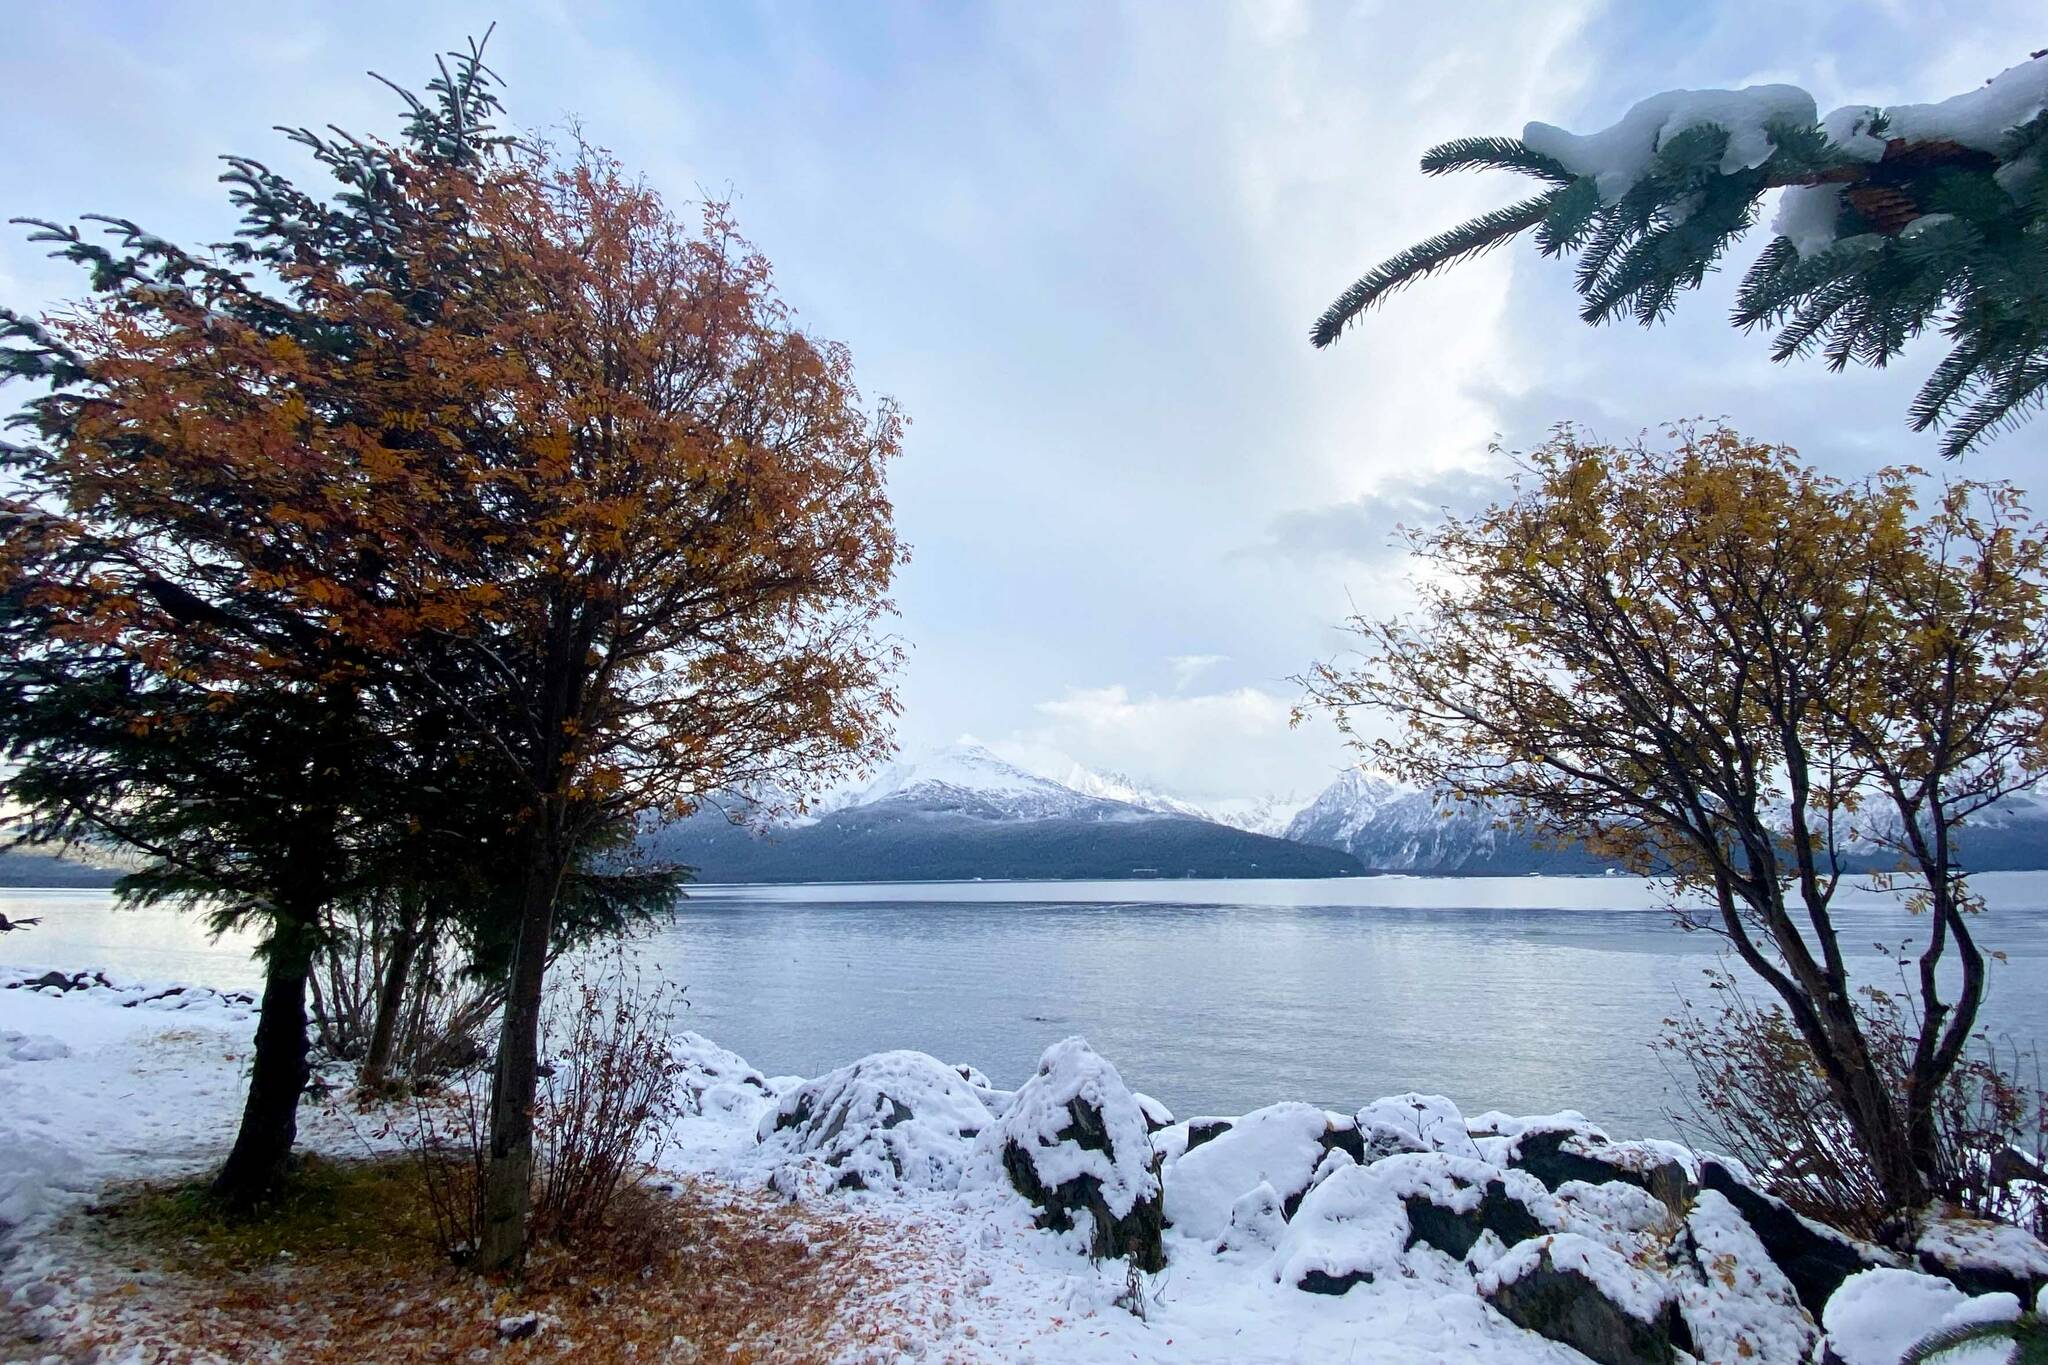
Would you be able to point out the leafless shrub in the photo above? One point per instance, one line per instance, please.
(383, 995)
(447, 1139)
(608, 1099)
(1753, 1090)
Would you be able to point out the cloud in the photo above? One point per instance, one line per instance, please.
(1188, 667)
(1082, 244)
(1368, 529)
(1202, 747)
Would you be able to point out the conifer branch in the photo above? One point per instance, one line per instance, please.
(1463, 242)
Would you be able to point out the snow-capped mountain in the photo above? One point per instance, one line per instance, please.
(1267, 815)
(969, 778)
(1392, 827)
(963, 812)
(1117, 787)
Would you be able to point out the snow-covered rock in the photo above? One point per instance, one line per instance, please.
(1279, 1146)
(1360, 1223)
(713, 1079)
(1073, 1141)
(1560, 1153)
(1982, 1257)
(1741, 1310)
(1158, 1117)
(891, 1120)
(1414, 1123)
(1256, 1224)
(1814, 1258)
(1574, 1291)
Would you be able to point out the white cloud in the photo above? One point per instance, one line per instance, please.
(1201, 747)
(1188, 667)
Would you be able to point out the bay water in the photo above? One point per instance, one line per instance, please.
(1530, 994)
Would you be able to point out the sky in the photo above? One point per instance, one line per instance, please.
(1082, 244)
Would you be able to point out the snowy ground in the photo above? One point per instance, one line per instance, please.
(109, 1084)
(92, 1091)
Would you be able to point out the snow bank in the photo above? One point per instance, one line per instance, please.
(1616, 157)
(888, 1121)
(31, 1047)
(31, 1167)
(1877, 1314)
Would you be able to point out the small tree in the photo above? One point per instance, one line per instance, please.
(1892, 221)
(667, 530)
(1721, 667)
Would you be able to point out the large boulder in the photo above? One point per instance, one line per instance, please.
(1560, 1154)
(1981, 1257)
(1738, 1306)
(1815, 1259)
(1281, 1145)
(892, 1120)
(1074, 1141)
(1360, 1223)
(1574, 1291)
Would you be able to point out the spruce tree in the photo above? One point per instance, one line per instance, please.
(1893, 222)
(194, 665)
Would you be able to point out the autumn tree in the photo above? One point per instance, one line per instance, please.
(202, 581)
(1890, 222)
(677, 536)
(1722, 667)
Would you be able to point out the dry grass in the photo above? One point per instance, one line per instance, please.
(344, 1271)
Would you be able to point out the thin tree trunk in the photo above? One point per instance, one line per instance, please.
(508, 1175)
(405, 943)
(278, 1073)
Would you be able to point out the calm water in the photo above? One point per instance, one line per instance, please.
(1527, 993)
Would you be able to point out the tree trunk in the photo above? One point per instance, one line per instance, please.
(405, 943)
(508, 1174)
(1873, 1111)
(278, 1073)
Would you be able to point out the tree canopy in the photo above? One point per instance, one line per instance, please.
(1719, 666)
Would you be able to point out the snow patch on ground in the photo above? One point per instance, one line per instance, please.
(95, 1087)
